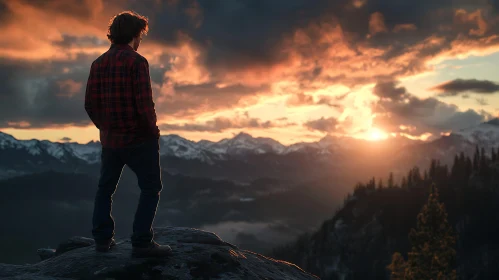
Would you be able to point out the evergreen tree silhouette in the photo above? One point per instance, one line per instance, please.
(433, 255)
(391, 183)
(397, 267)
(476, 159)
(380, 184)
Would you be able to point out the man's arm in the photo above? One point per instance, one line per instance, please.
(143, 95)
(91, 89)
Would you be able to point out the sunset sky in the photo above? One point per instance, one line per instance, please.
(293, 70)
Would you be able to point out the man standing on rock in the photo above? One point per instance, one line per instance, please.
(119, 102)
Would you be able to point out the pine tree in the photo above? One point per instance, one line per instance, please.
(454, 173)
(462, 158)
(476, 159)
(380, 184)
(409, 179)
(469, 168)
(433, 255)
(397, 267)
(416, 176)
(433, 169)
(391, 184)
(371, 186)
(483, 162)
(403, 183)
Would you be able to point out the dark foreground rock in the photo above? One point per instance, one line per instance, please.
(197, 254)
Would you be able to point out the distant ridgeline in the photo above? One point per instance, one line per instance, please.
(384, 220)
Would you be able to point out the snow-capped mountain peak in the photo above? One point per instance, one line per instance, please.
(32, 155)
(6, 139)
(175, 145)
(244, 143)
(61, 151)
(484, 134)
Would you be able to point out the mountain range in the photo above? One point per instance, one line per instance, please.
(18, 157)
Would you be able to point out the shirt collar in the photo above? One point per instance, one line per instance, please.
(121, 46)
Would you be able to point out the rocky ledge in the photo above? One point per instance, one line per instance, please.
(197, 254)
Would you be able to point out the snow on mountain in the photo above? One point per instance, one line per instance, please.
(171, 145)
(301, 146)
(244, 143)
(7, 141)
(89, 152)
(485, 134)
(325, 145)
(62, 151)
(174, 145)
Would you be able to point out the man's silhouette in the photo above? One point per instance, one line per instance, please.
(119, 102)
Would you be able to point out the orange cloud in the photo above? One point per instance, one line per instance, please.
(204, 62)
(69, 88)
(21, 124)
(462, 17)
(220, 124)
(32, 28)
(377, 23)
(404, 27)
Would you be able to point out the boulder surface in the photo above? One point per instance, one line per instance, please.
(197, 254)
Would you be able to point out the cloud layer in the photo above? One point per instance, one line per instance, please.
(399, 111)
(220, 124)
(460, 86)
(213, 57)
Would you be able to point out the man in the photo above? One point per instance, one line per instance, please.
(119, 102)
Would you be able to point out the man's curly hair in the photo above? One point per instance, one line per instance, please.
(125, 26)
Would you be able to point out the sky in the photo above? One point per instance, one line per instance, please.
(293, 70)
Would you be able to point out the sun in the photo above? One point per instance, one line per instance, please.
(376, 134)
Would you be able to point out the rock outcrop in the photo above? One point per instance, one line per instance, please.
(197, 254)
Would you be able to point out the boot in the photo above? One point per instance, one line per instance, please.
(152, 250)
(104, 246)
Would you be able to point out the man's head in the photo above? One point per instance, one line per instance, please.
(127, 28)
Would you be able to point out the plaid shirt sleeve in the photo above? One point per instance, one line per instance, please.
(92, 86)
(143, 95)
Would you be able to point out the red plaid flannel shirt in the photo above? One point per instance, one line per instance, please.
(118, 98)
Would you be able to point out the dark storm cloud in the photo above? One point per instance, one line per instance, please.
(322, 124)
(42, 95)
(4, 11)
(459, 86)
(421, 115)
(192, 99)
(221, 124)
(388, 89)
(494, 4)
(236, 34)
(69, 41)
(241, 33)
(375, 38)
(81, 9)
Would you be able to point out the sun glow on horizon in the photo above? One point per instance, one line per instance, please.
(376, 134)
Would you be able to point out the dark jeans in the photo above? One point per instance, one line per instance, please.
(143, 160)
